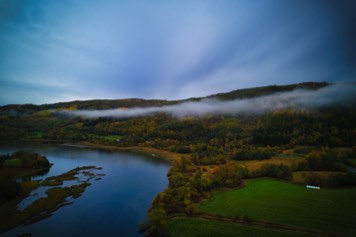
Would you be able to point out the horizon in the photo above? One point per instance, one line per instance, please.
(184, 99)
(82, 50)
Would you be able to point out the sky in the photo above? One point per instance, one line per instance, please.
(53, 51)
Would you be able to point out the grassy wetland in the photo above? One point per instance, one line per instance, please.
(57, 196)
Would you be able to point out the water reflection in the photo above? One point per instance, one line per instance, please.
(40, 192)
(112, 206)
(39, 175)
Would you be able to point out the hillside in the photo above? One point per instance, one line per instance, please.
(135, 102)
(32, 122)
(266, 90)
(219, 151)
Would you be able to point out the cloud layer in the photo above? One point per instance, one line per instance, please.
(339, 94)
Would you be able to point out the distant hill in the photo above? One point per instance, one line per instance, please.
(267, 90)
(209, 135)
(86, 105)
(135, 102)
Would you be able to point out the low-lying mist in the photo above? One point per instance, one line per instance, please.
(337, 94)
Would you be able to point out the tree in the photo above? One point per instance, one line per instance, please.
(158, 225)
(229, 174)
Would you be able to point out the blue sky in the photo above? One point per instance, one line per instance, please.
(66, 50)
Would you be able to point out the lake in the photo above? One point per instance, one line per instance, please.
(112, 206)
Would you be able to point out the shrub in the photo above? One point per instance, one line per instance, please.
(275, 171)
(253, 154)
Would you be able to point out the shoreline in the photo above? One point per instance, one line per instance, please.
(147, 151)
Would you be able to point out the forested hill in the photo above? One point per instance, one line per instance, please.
(214, 134)
(86, 104)
(135, 102)
(266, 90)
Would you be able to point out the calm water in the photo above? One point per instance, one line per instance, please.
(112, 206)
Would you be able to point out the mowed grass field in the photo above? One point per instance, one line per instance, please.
(195, 227)
(325, 210)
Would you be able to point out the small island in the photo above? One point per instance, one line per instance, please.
(19, 165)
(15, 189)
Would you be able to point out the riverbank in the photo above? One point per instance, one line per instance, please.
(147, 151)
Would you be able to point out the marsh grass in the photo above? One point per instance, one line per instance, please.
(44, 207)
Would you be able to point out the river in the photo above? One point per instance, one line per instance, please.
(112, 206)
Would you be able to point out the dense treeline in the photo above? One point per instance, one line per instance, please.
(335, 180)
(326, 127)
(260, 153)
(207, 137)
(280, 171)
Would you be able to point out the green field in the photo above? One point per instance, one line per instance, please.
(195, 227)
(325, 210)
(111, 138)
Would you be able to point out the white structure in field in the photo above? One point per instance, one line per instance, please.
(313, 187)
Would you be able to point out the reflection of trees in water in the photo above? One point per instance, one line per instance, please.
(33, 176)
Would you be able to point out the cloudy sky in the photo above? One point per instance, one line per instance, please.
(65, 50)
